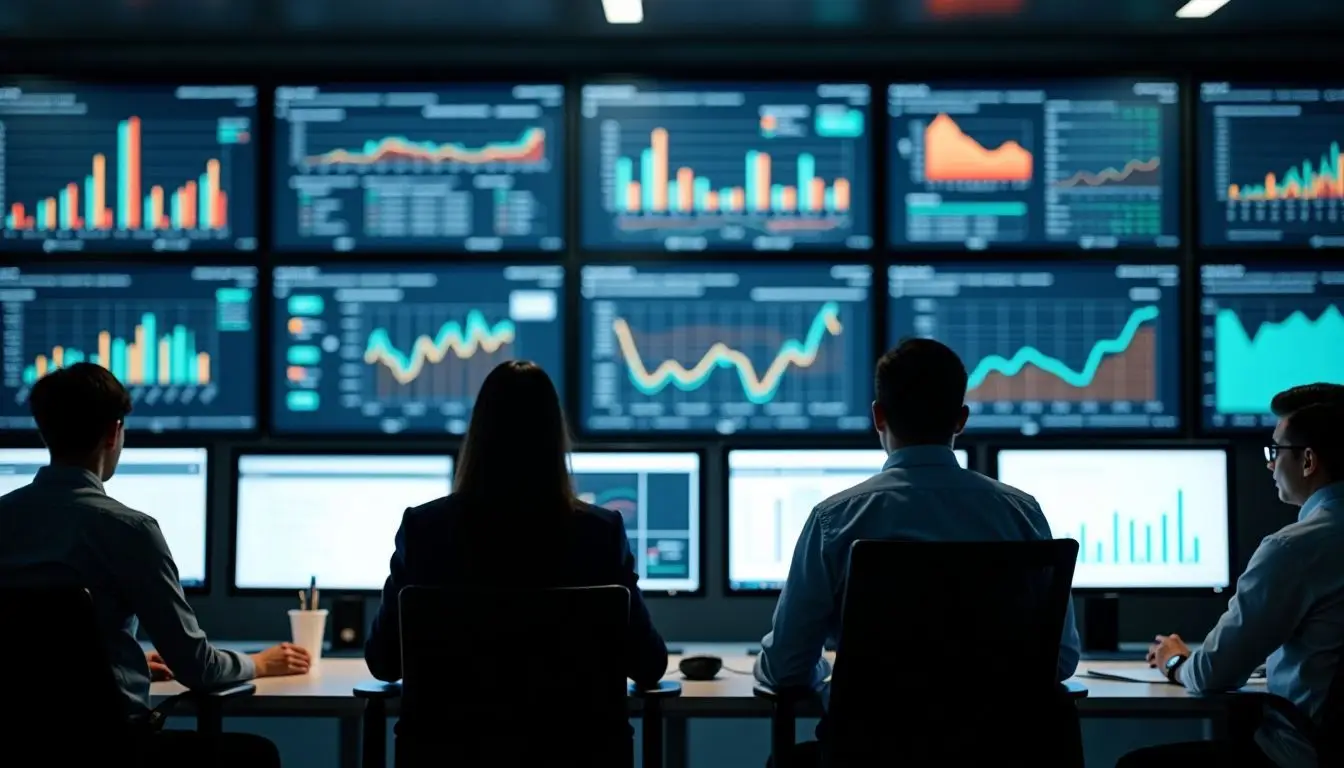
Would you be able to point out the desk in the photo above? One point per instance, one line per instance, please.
(328, 694)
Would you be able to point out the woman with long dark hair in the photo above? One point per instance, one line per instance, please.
(513, 521)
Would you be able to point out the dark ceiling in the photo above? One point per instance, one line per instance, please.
(478, 20)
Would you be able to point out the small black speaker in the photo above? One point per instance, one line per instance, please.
(347, 624)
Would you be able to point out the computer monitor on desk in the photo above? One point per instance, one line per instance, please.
(658, 495)
(1146, 519)
(770, 495)
(333, 517)
(170, 485)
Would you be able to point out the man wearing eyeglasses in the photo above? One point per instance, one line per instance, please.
(1288, 607)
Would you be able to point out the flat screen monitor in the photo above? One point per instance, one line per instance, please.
(1269, 165)
(329, 517)
(181, 338)
(1267, 326)
(370, 348)
(1052, 346)
(376, 168)
(1049, 164)
(1143, 518)
(117, 168)
(772, 493)
(658, 496)
(170, 485)
(726, 348)
(675, 166)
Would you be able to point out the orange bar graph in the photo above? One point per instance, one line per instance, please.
(100, 194)
(212, 192)
(133, 194)
(658, 143)
(762, 201)
(50, 215)
(685, 193)
(188, 206)
(57, 356)
(20, 218)
(165, 368)
(134, 363)
(842, 194)
(634, 196)
(72, 200)
(816, 197)
(202, 368)
(221, 217)
(41, 365)
(738, 201)
(712, 201)
(105, 349)
(790, 198)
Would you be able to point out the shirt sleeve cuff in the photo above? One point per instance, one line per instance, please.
(247, 667)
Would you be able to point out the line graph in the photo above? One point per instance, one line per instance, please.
(728, 348)
(529, 148)
(466, 340)
(1135, 172)
(758, 389)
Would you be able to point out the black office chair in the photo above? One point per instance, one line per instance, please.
(60, 673)
(1249, 708)
(533, 677)
(948, 655)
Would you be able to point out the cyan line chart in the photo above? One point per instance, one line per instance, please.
(459, 355)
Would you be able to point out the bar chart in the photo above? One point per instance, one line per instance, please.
(181, 339)
(114, 169)
(726, 167)
(1142, 518)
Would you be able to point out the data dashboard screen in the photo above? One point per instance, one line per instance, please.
(1067, 163)
(1266, 327)
(746, 167)
(332, 518)
(181, 339)
(1269, 165)
(169, 484)
(771, 494)
(1052, 347)
(658, 497)
(1142, 518)
(726, 348)
(395, 168)
(387, 348)
(98, 168)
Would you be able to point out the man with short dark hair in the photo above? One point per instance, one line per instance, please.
(920, 493)
(1297, 398)
(63, 529)
(1288, 607)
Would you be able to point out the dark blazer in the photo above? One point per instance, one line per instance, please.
(446, 543)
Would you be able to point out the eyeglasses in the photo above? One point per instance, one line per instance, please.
(1273, 450)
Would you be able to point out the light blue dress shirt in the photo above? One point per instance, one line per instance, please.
(1289, 608)
(63, 528)
(921, 493)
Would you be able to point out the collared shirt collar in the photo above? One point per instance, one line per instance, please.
(72, 477)
(1331, 492)
(922, 456)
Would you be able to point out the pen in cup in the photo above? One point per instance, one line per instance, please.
(312, 593)
(303, 601)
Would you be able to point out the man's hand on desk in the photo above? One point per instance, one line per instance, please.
(1164, 647)
(158, 668)
(283, 659)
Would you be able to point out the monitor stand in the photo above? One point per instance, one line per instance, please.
(1101, 627)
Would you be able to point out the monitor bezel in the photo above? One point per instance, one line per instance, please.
(1229, 458)
(235, 476)
(972, 464)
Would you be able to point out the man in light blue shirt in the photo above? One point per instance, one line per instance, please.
(1288, 607)
(921, 493)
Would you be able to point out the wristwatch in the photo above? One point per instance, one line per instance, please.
(1173, 664)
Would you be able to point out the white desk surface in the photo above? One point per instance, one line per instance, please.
(330, 688)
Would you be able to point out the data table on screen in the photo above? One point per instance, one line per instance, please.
(658, 498)
(1269, 164)
(329, 517)
(360, 348)
(182, 339)
(410, 167)
(104, 168)
(1066, 163)
(1052, 346)
(700, 166)
(1142, 518)
(168, 484)
(771, 495)
(1267, 326)
(726, 348)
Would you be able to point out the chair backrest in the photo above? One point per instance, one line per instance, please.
(940, 641)
(505, 677)
(59, 668)
(1330, 729)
